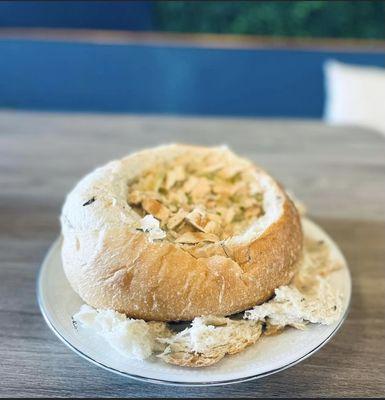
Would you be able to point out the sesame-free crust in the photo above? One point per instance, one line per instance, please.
(111, 264)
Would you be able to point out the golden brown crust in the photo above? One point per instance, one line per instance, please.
(110, 264)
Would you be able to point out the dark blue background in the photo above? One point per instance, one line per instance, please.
(126, 15)
(165, 79)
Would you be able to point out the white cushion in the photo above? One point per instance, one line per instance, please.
(355, 95)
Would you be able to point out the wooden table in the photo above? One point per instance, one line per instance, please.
(338, 172)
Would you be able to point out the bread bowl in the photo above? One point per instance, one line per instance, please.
(176, 232)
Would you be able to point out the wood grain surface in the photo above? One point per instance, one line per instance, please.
(339, 172)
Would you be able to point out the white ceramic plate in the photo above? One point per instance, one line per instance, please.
(58, 302)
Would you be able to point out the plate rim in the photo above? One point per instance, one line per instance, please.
(186, 383)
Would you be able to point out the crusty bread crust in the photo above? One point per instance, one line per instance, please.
(243, 334)
(111, 264)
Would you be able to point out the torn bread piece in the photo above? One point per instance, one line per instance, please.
(133, 338)
(316, 262)
(309, 298)
(291, 307)
(208, 340)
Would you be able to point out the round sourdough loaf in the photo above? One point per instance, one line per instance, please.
(115, 262)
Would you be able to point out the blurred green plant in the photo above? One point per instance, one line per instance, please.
(336, 19)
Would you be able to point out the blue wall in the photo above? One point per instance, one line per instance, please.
(56, 75)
